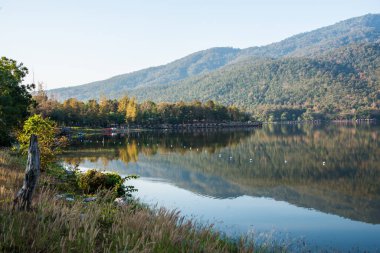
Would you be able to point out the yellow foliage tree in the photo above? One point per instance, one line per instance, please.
(123, 104)
(131, 111)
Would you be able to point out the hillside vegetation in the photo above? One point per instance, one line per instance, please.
(339, 82)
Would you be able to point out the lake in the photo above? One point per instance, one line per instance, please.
(312, 186)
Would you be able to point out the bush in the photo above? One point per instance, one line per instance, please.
(93, 180)
(48, 143)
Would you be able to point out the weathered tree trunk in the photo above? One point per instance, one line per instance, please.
(24, 196)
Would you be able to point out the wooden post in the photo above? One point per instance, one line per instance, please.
(24, 196)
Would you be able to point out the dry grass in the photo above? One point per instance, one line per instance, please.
(61, 226)
(11, 175)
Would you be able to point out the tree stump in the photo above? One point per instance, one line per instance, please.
(24, 196)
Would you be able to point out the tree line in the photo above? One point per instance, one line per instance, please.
(126, 110)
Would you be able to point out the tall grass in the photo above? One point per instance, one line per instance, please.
(56, 225)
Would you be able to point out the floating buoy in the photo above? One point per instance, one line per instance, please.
(220, 155)
(285, 161)
(323, 163)
(250, 160)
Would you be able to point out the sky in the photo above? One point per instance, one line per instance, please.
(74, 42)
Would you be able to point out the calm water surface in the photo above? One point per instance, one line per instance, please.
(312, 184)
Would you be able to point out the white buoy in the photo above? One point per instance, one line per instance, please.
(220, 155)
(285, 161)
(323, 163)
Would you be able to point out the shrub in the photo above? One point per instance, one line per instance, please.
(93, 180)
(49, 145)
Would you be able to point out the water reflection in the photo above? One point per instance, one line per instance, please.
(329, 168)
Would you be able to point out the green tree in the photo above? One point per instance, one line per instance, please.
(15, 99)
(147, 112)
(49, 145)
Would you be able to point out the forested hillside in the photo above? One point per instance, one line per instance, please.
(340, 81)
(329, 71)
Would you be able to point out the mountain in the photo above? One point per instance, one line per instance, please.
(347, 78)
(192, 65)
(329, 66)
(355, 30)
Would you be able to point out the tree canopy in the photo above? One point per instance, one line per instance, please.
(111, 112)
(15, 98)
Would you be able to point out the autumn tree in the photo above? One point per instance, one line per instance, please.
(131, 111)
(123, 104)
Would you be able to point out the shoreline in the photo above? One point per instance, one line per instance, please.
(201, 126)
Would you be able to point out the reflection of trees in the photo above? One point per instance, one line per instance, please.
(127, 148)
(350, 154)
(349, 179)
(347, 184)
(73, 160)
(129, 153)
(88, 154)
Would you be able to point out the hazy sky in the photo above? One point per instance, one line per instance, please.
(77, 41)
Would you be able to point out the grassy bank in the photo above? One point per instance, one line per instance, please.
(57, 225)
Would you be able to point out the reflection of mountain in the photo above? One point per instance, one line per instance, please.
(197, 182)
(287, 164)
